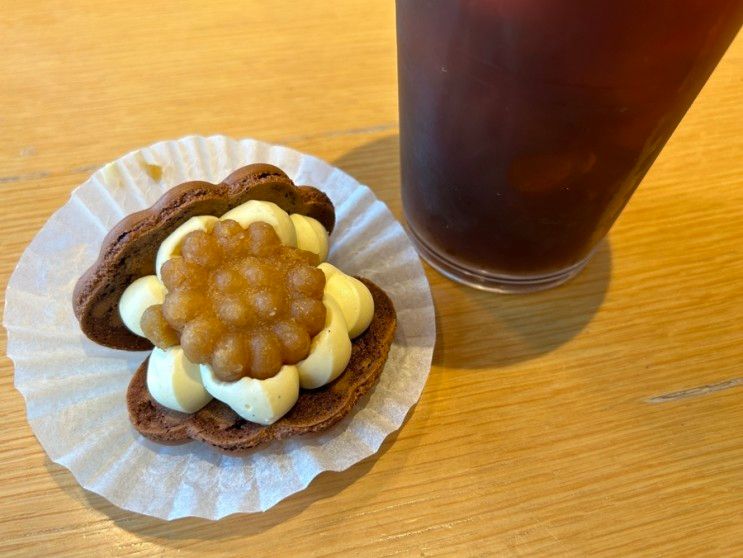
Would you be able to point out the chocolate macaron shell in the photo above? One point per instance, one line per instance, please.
(256, 171)
(315, 410)
(129, 250)
(317, 205)
(269, 183)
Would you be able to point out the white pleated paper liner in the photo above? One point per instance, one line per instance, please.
(75, 389)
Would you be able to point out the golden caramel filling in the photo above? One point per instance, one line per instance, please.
(240, 301)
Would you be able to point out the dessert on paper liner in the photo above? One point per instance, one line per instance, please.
(75, 389)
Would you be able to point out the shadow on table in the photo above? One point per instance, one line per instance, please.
(377, 164)
(325, 485)
(476, 329)
(484, 330)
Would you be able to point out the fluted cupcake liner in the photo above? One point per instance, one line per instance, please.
(75, 390)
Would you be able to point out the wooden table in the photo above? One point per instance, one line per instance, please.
(603, 417)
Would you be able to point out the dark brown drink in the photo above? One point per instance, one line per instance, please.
(525, 125)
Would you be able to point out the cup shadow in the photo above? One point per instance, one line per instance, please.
(476, 329)
(377, 164)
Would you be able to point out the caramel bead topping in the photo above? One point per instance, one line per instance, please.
(239, 301)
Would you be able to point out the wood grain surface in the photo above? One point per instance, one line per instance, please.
(601, 418)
